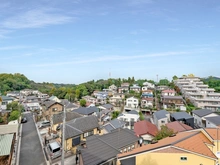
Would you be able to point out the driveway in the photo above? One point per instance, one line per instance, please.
(31, 152)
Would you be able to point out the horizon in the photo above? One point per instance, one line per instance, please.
(76, 41)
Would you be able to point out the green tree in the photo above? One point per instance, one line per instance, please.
(14, 115)
(141, 116)
(163, 133)
(175, 77)
(1, 120)
(14, 105)
(82, 102)
(115, 114)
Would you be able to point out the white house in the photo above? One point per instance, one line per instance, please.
(129, 118)
(201, 115)
(149, 85)
(161, 117)
(113, 88)
(132, 102)
(168, 92)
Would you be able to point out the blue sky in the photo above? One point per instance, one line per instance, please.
(74, 41)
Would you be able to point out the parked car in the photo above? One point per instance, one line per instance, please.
(44, 124)
(24, 120)
(54, 149)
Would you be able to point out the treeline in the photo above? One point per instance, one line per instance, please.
(213, 82)
(16, 82)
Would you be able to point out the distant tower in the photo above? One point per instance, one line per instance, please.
(110, 73)
(157, 78)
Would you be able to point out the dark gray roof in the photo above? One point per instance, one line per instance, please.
(68, 104)
(108, 127)
(4, 98)
(102, 148)
(161, 114)
(80, 125)
(86, 111)
(50, 103)
(215, 120)
(181, 115)
(107, 106)
(97, 151)
(133, 112)
(58, 118)
(202, 112)
(172, 97)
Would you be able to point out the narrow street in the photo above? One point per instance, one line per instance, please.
(31, 152)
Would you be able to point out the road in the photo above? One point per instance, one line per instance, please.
(31, 152)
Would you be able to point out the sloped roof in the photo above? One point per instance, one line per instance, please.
(215, 120)
(194, 141)
(145, 127)
(107, 106)
(5, 143)
(133, 112)
(161, 114)
(202, 112)
(80, 125)
(181, 115)
(86, 111)
(168, 91)
(177, 126)
(6, 129)
(213, 132)
(114, 124)
(97, 151)
(48, 104)
(4, 98)
(58, 118)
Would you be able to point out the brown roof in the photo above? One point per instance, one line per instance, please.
(192, 141)
(168, 91)
(213, 133)
(145, 127)
(148, 99)
(177, 126)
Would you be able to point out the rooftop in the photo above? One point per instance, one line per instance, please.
(202, 112)
(145, 127)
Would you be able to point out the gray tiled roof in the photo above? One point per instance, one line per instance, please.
(215, 120)
(108, 127)
(58, 118)
(202, 112)
(102, 148)
(181, 115)
(49, 103)
(114, 124)
(107, 106)
(86, 111)
(161, 114)
(97, 151)
(80, 125)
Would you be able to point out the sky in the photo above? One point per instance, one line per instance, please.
(75, 41)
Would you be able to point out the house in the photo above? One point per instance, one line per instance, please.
(146, 130)
(147, 94)
(162, 87)
(77, 130)
(149, 85)
(200, 116)
(86, 111)
(106, 107)
(5, 101)
(161, 117)
(168, 92)
(183, 117)
(147, 102)
(135, 88)
(50, 108)
(32, 106)
(213, 122)
(113, 88)
(68, 105)
(112, 125)
(178, 126)
(124, 88)
(105, 148)
(132, 102)
(129, 118)
(89, 99)
(57, 119)
(173, 102)
(14, 94)
(54, 98)
(190, 147)
(8, 141)
(117, 99)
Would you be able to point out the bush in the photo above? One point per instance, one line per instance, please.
(14, 115)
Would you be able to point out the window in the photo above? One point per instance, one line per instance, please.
(88, 134)
(54, 109)
(183, 158)
(162, 121)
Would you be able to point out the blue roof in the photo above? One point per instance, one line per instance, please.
(181, 115)
(161, 114)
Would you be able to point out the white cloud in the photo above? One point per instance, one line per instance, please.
(36, 18)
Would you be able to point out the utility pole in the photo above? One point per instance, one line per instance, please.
(63, 135)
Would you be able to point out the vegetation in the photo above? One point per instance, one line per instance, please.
(213, 82)
(163, 133)
(1, 120)
(15, 106)
(14, 115)
(115, 114)
(82, 102)
(141, 116)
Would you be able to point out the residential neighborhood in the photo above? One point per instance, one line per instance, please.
(122, 125)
